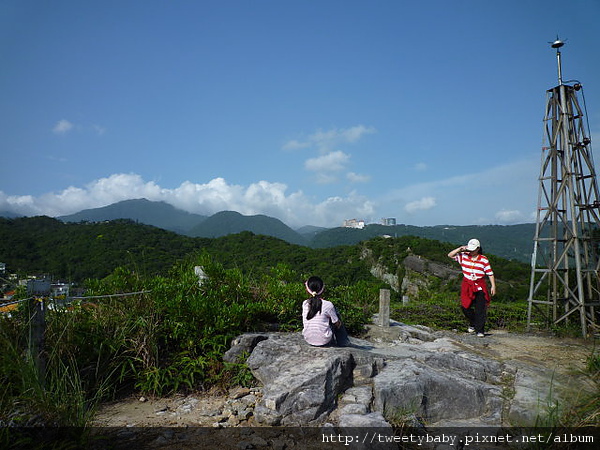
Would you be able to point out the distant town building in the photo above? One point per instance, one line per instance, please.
(354, 223)
(59, 289)
(41, 287)
(388, 221)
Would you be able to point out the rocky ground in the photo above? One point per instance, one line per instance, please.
(565, 356)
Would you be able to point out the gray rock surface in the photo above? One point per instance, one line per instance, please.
(399, 375)
(301, 383)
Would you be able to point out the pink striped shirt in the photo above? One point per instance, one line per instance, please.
(317, 330)
(474, 268)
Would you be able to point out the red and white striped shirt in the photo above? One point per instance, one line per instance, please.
(474, 268)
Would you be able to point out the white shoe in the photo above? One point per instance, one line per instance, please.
(480, 335)
(471, 330)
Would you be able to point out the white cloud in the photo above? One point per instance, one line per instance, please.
(295, 145)
(326, 141)
(472, 198)
(325, 178)
(62, 127)
(423, 204)
(495, 195)
(331, 162)
(357, 178)
(509, 216)
(99, 130)
(262, 197)
(419, 167)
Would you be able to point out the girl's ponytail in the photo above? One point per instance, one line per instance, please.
(314, 307)
(315, 287)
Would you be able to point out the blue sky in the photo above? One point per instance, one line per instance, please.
(309, 111)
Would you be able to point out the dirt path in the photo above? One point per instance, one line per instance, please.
(565, 355)
(176, 411)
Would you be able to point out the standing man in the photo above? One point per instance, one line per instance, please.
(474, 295)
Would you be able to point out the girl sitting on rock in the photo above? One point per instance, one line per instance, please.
(322, 324)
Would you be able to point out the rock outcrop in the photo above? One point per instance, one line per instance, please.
(399, 375)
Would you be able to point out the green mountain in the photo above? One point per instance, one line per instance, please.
(158, 214)
(230, 222)
(9, 214)
(310, 231)
(507, 241)
(76, 251)
(79, 251)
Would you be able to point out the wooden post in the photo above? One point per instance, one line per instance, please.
(36, 340)
(384, 308)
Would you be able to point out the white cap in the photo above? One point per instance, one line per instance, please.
(473, 245)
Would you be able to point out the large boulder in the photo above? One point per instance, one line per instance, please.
(403, 374)
(242, 346)
(301, 382)
(435, 393)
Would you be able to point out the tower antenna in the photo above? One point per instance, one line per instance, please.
(564, 283)
(557, 44)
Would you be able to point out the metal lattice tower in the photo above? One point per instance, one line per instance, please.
(564, 266)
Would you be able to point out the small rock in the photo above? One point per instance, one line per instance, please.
(245, 414)
(259, 442)
(239, 393)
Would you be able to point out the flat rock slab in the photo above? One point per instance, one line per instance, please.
(301, 383)
(398, 372)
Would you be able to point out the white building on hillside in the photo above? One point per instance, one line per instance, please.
(354, 223)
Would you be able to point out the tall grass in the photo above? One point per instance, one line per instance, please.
(171, 338)
(58, 396)
(587, 412)
(441, 310)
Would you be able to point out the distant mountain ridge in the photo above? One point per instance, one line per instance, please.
(507, 241)
(9, 214)
(231, 222)
(159, 214)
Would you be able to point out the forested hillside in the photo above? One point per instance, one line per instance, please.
(158, 214)
(507, 241)
(169, 335)
(230, 222)
(75, 252)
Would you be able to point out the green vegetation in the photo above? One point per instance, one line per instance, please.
(158, 214)
(442, 311)
(512, 276)
(166, 340)
(172, 337)
(509, 241)
(230, 222)
(77, 252)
